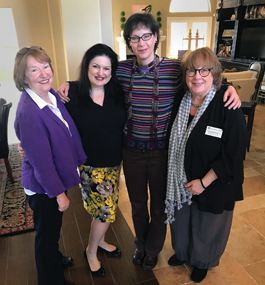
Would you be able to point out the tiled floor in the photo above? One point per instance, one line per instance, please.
(243, 262)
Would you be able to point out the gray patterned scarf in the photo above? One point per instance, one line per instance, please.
(176, 177)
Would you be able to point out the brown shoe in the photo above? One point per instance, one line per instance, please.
(149, 262)
(138, 256)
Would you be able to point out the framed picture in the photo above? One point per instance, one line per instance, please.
(141, 9)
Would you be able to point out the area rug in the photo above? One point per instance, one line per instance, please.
(15, 214)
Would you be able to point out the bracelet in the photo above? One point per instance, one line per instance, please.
(202, 184)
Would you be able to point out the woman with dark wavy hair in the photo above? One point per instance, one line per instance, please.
(97, 108)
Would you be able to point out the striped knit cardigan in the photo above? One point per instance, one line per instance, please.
(169, 85)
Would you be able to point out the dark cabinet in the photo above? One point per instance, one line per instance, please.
(240, 30)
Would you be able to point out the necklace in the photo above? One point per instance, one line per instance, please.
(194, 105)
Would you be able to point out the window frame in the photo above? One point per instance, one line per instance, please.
(188, 20)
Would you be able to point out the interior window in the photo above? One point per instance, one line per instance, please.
(190, 6)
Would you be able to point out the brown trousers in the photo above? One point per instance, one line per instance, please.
(143, 169)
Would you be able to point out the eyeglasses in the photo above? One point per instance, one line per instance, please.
(144, 37)
(26, 49)
(202, 71)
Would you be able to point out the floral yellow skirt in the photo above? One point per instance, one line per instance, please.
(100, 191)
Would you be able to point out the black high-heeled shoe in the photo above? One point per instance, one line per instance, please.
(100, 272)
(114, 254)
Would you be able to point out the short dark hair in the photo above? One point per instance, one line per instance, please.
(112, 88)
(208, 58)
(137, 21)
(21, 63)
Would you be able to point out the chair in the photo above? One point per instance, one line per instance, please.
(258, 68)
(248, 109)
(261, 93)
(4, 149)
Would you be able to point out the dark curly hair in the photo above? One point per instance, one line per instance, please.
(137, 21)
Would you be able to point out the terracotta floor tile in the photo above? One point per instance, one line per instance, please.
(257, 272)
(260, 169)
(260, 161)
(256, 202)
(238, 222)
(259, 144)
(246, 245)
(166, 252)
(229, 272)
(241, 206)
(254, 186)
(256, 218)
(248, 163)
(255, 154)
(176, 275)
(250, 172)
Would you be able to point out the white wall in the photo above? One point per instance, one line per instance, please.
(8, 50)
(82, 29)
(106, 22)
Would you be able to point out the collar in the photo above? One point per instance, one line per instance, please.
(39, 101)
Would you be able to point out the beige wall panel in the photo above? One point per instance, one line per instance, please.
(33, 26)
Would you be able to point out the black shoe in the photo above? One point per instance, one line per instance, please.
(67, 261)
(100, 272)
(138, 256)
(198, 274)
(69, 283)
(149, 262)
(115, 253)
(174, 261)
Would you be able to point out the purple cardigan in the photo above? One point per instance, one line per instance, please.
(52, 153)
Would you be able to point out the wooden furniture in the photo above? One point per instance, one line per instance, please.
(241, 31)
(248, 109)
(4, 149)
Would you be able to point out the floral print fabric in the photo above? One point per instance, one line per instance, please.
(100, 191)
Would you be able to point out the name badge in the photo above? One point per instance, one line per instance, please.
(214, 132)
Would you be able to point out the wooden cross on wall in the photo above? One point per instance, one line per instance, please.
(189, 38)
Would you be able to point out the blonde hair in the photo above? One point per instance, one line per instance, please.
(208, 59)
(21, 63)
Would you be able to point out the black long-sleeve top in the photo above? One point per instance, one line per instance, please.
(100, 127)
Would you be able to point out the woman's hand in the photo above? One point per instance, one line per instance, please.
(63, 92)
(63, 202)
(194, 187)
(20, 149)
(234, 101)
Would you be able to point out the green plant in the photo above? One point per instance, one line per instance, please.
(122, 19)
(159, 19)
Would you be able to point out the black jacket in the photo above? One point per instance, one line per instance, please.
(224, 155)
